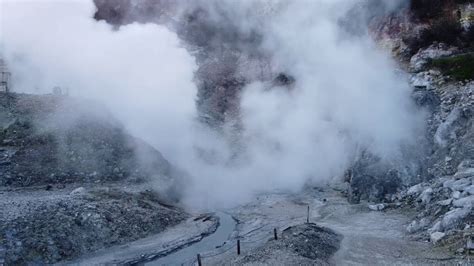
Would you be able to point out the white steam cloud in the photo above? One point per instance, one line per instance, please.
(346, 97)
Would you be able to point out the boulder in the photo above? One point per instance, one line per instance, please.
(454, 218)
(426, 195)
(466, 202)
(436, 236)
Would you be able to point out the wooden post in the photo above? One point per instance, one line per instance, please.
(238, 246)
(307, 216)
(275, 233)
(199, 260)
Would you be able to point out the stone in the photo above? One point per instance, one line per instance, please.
(469, 189)
(466, 202)
(436, 236)
(416, 189)
(445, 202)
(434, 51)
(435, 227)
(454, 218)
(426, 195)
(415, 225)
(470, 244)
(456, 194)
(464, 173)
(460, 185)
(377, 207)
(466, 164)
(77, 191)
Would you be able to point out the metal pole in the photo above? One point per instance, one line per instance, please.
(275, 233)
(199, 259)
(238, 246)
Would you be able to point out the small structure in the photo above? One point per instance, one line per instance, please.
(5, 77)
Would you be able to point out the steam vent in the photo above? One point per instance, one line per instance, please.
(223, 132)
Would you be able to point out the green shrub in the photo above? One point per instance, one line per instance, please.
(460, 67)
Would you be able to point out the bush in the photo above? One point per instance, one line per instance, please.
(460, 67)
(444, 30)
(426, 9)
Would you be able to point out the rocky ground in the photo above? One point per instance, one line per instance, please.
(339, 233)
(72, 182)
(436, 51)
(303, 244)
(172, 240)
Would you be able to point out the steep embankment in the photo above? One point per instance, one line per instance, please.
(73, 181)
(434, 42)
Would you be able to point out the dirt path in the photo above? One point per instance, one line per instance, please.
(369, 237)
(374, 238)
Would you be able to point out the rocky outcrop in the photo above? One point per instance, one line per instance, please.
(441, 76)
(48, 226)
(47, 140)
(72, 181)
(445, 206)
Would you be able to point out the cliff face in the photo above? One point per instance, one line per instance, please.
(434, 44)
(423, 23)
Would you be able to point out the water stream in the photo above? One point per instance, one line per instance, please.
(186, 255)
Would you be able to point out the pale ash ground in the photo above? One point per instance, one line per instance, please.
(369, 237)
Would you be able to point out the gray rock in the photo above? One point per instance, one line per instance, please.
(456, 195)
(377, 207)
(464, 173)
(469, 189)
(416, 226)
(436, 236)
(466, 202)
(426, 195)
(416, 189)
(466, 164)
(457, 185)
(78, 191)
(445, 129)
(445, 202)
(454, 218)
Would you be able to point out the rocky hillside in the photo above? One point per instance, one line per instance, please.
(434, 42)
(72, 181)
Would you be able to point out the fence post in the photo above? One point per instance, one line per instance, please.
(275, 233)
(307, 216)
(199, 259)
(238, 246)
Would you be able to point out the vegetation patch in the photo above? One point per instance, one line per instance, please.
(459, 67)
